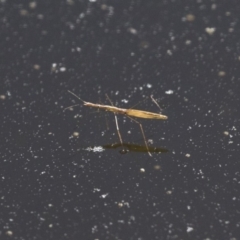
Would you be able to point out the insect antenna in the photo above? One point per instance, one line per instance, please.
(156, 103)
(71, 106)
(75, 104)
(76, 96)
(138, 103)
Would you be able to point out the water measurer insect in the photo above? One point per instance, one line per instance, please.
(130, 113)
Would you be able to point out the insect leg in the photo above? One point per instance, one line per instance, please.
(116, 120)
(118, 131)
(140, 125)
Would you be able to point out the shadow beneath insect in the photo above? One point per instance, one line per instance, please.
(128, 147)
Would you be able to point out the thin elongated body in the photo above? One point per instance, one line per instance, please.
(128, 112)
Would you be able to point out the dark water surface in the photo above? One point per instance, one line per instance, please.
(62, 175)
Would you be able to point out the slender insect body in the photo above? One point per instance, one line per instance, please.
(128, 112)
(145, 114)
(106, 107)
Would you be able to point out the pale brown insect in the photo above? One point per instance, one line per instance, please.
(128, 112)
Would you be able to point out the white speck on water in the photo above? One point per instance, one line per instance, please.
(95, 149)
(214, 6)
(96, 190)
(104, 195)
(62, 69)
(9, 233)
(169, 92)
(124, 100)
(76, 134)
(2, 97)
(221, 73)
(149, 85)
(189, 18)
(210, 30)
(132, 31)
(120, 221)
(169, 52)
(36, 66)
(189, 229)
(32, 5)
(226, 133)
(77, 115)
(94, 230)
(82, 15)
(150, 141)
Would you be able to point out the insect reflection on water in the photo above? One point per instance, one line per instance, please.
(127, 148)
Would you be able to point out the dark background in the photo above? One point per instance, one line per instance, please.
(55, 184)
